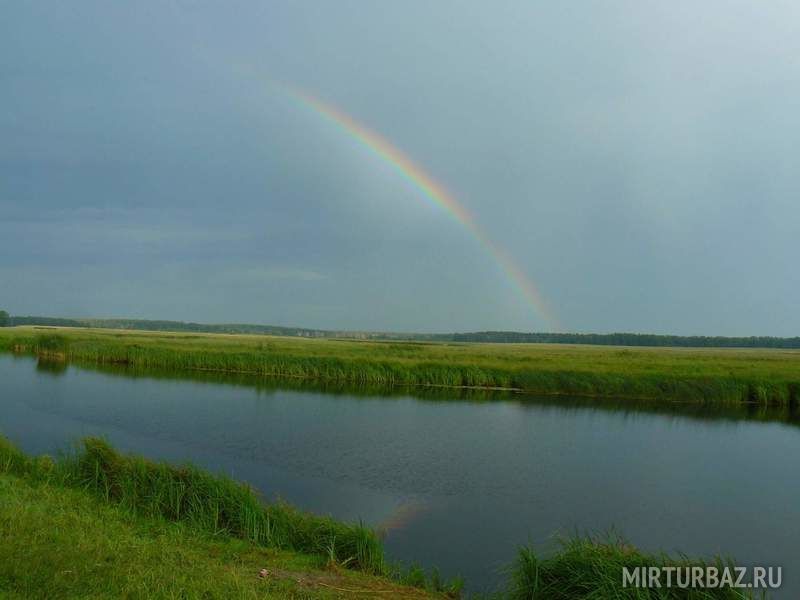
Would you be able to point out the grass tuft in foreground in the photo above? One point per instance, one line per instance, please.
(589, 569)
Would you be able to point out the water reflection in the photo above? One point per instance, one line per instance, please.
(270, 385)
(55, 368)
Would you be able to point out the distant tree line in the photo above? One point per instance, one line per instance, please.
(601, 339)
(161, 325)
(621, 339)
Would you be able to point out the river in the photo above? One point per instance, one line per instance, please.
(457, 481)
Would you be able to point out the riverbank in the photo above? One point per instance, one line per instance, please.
(63, 543)
(99, 523)
(96, 523)
(768, 377)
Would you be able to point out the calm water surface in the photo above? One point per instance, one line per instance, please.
(458, 483)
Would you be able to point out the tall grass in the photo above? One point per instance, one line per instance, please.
(60, 542)
(214, 504)
(591, 569)
(208, 502)
(768, 377)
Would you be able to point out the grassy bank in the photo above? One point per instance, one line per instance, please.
(733, 411)
(59, 542)
(100, 524)
(202, 506)
(696, 375)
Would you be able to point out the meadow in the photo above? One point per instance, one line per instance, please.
(96, 523)
(714, 376)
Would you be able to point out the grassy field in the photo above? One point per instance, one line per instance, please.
(672, 374)
(98, 524)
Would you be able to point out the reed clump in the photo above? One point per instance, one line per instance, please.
(588, 568)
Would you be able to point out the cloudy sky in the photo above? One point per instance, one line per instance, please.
(637, 160)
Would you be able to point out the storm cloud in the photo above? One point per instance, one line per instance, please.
(638, 160)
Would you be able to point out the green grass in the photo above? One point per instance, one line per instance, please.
(62, 542)
(722, 376)
(98, 524)
(591, 569)
(208, 505)
(206, 502)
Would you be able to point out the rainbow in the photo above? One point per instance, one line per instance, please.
(431, 189)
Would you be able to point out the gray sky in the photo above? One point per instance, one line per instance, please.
(639, 160)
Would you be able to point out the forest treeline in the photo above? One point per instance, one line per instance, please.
(600, 339)
(623, 339)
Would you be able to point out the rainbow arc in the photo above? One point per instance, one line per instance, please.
(432, 190)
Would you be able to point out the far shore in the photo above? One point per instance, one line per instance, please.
(712, 376)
